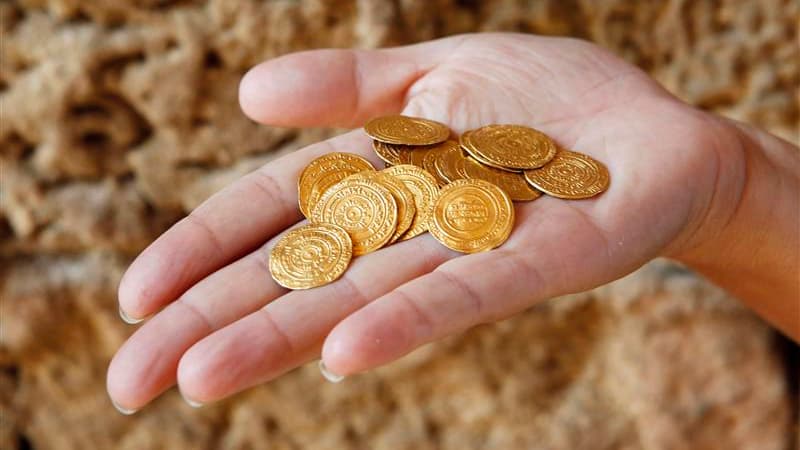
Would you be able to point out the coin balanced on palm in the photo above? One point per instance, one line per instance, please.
(461, 190)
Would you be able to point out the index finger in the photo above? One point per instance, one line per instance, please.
(225, 227)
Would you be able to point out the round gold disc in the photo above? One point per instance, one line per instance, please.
(324, 172)
(402, 197)
(570, 175)
(512, 183)
(472, 216)
(424, 189)
(310, 256)
(450, 164)
(509, 147)
(436, 152)
(406, 130)
(364, 208)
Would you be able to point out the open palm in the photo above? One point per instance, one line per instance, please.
(221, 324)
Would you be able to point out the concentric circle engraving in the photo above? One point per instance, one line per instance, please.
(570, 175)
(472, 216)
(406, 210)
(509, 147)
(364, 208)
(310, 256)
(424, 189)
(406, 130)
(324, 172)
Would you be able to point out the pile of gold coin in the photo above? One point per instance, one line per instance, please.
(460, 190)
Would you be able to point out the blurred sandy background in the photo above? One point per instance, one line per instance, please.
(118, 117)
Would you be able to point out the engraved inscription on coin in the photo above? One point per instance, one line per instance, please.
(402, 197)
(434, 153)
(310, 256)
(324, 172)
(570, 175)
(392, 154)
(509, 147)
(512, 183)
(406, 130)
(424, 189)
(472, 216)
(364, 208)
(450, 164)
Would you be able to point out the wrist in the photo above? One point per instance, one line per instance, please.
(748, 238)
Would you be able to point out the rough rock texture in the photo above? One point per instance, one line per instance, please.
(119, 117)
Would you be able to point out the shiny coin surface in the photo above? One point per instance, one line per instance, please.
(406, 210)
(394, 154)
(436, 152)
(364, 208)
(324, 172)
(512, 183)
(509, 147)
(310, 256)
(472, 216)
(570, 175)
(391, 154)
(424, 189)
(406, 130)
(450, 164)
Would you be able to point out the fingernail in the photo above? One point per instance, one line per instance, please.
(122, 410)
(330, 376)
(128, 319)
(190, 402)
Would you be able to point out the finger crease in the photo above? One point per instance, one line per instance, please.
(210, 233)
(267, 184)
(354, 291)
(290, 347)
(197, 312)
(472, 296)
(423, 317)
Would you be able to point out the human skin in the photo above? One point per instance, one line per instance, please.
(719, 196)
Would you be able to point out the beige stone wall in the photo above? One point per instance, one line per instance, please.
(118, 117)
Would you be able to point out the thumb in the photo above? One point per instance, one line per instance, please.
(333, 87)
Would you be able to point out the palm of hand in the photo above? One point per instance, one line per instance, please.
(227, 326)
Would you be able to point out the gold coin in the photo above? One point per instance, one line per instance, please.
(416, 156)
(364, 208)
(509, 147)
(394, 154)
(324, 172)
(436, 152)
(310, 256)
(402, 197)
(406, 130)
(472, 216)
(570, 175)
(450, 164)
(512, 183)
(424, 189)
(391, 154)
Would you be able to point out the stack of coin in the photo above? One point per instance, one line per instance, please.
(461, 190)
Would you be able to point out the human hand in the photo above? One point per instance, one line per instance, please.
(220, 323)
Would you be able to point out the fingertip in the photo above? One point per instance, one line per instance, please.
(196, 376)
(121, 388)
(300, 89)
(364, 341)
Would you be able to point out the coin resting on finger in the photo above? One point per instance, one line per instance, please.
(459, 190)
(324, 172)
(310, 256)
